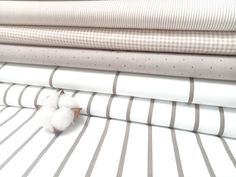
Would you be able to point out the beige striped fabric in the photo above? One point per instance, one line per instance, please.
(123, 39)
(210, 15)
(188, 90)
(189, 117)
(89, 149)
(196, 66)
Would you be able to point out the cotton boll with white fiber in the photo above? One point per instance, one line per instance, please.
(67, 101)
(62, 118)
(52, 100)
(44, 116)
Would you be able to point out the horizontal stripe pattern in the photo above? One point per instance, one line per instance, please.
(217, 15)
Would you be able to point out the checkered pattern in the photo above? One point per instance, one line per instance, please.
(211, 15)
(123, 39)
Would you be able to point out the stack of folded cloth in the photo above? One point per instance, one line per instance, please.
(155, 80)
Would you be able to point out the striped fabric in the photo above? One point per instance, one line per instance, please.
(211, 15)
(89, 150)
(197, 66)
(198, 91)
(197, 118)
(122, 39)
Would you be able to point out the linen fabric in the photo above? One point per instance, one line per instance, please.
(188, 90)
(196, 66)
(199, 42)
(207, 15)
(104, 147)
(197, 118)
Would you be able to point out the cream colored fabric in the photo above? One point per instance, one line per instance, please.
(197, 66)
(123, 39)
(211, 15)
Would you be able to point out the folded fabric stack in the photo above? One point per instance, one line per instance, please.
(155, 80)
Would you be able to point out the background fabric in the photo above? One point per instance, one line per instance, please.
(197, 66)
(90, 146)
(199, 91)
(197, 118)
(211, 15)
(199, 42)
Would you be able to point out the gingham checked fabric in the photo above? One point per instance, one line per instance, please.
(122, 39)
(188, 90)
(103, 147)
(196, 66)
(211, 15)
(197, 118)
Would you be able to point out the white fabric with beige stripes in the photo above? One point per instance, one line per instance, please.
(211, 15)
(104, 147)
(198, 91)
(200, 42)
(197, 118)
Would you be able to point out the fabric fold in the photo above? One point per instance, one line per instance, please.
(196, 66)
(188, 90)
(189, 117)
(207, 15)
(199, 42)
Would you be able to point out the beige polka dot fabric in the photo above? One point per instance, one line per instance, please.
(197, 66)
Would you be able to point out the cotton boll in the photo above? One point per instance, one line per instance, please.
(52, 100)
(44, 115)
(62, 118)
(67, 101)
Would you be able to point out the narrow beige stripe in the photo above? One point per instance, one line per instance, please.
(75, 93)
(98, 148)
(11, 117)
(177, 155)
(172, 121)
(228, 151)
(18, 128)
(191, 92)
(4, 64)
(109, 106)
(129, 109)
(6, 161)
(5, 94)
(71, 150)
(123, 152)
(204, 155)
(222, 121)
(37, 97)
(150, 154)
(126, 138)
(115, 82)
(20, 96)
(90, 103)
(41, 154)
(197, 118)
(149, 121)
(51, 77)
